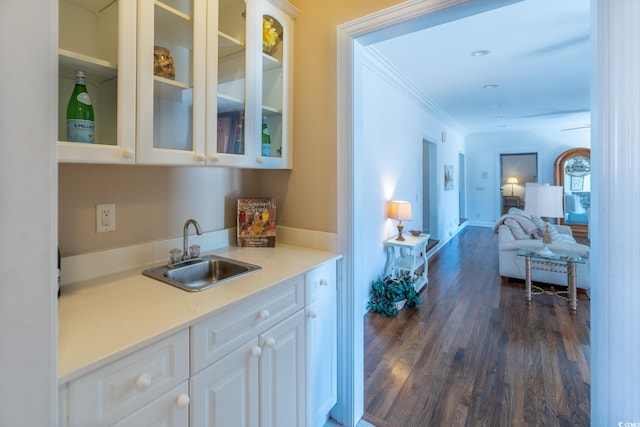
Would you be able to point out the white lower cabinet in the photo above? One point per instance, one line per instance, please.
(109, 394)
(226, 393)
(260, 384)
(322, 342)
(268, 360)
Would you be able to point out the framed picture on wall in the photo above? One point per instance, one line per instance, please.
(448, 177)
(577, 183)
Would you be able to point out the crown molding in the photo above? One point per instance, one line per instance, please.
(380, 65)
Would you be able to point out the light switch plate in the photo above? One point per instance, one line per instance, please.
(105, 217)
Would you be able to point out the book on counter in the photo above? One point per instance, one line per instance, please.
(256, 222)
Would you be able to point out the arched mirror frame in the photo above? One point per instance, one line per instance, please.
(579, 230)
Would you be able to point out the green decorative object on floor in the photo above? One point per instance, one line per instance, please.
(387, 293)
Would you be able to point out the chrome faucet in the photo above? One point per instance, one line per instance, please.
(185, 237)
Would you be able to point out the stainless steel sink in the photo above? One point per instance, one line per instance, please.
(201, 273)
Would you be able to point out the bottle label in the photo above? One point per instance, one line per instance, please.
(80, 130)
(266, 150)
(84, 98)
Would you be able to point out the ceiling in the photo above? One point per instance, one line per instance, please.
(535, 76)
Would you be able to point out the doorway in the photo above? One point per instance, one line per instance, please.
(429, 188)
(462, 191)
(515, 171)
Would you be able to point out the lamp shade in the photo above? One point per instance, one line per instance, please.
(544, 200)
(512, 180)
(400, 210)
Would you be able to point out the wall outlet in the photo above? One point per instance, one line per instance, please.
(105, 217)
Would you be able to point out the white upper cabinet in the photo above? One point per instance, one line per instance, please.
(180, 82)
(254, 58)
(98, 37)
(172, 47)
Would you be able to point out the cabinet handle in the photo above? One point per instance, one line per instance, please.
(183, 401)
(127, 153)
(324, 282)
(200, 157)
(312, 314)
(214, 158)
(264, 314)
(270, 342)
(258, 159)
(143, 382)
(256, 351)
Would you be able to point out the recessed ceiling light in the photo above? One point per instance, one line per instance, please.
(490, 86)
(480, 52)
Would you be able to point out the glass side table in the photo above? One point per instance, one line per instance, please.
(559, 262)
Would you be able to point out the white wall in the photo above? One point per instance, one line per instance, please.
(28, 214)
(388, 159)
(483, 164)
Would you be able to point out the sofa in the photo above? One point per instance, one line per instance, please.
(519, 230)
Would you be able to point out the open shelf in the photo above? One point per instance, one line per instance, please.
(96, 70)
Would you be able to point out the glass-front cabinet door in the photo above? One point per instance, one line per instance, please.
(227, 95)
(269, 92)
(172, 46)
(97, 38)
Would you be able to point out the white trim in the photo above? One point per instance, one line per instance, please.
(615, 152)
(380, 65)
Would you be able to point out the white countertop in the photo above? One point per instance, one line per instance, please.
(100, 320)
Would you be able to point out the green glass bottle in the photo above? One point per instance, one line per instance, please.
(80, 122)
(266, 139)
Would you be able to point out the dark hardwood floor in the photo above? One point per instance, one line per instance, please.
(475, 353)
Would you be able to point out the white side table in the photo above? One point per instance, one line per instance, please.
(412, 254)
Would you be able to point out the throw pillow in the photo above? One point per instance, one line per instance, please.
(516, 229)
(526, 222)
(555, 235)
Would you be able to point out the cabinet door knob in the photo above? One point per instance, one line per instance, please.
(258, 159)
(127, 153)
(256, 351)
(270, 342)
(264, 314)
(183, 401)
(214, 158)
(200, 157)
(143, 382)
(312, 314)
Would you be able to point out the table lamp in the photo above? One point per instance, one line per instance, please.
(401, 211)
(512, 180)
(544, 201)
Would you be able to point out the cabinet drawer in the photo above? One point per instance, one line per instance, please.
(319, 281)
(170, 409)
(114, 391)
(228, 328)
